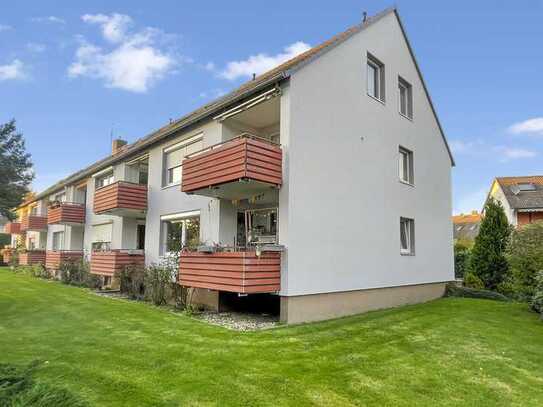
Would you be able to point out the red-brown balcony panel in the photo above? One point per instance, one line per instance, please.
(121, 198)
(36, 223)
(235, 169)
(66, 213)
(7, 255)
(12, 228)
(238, 272)
(107, 263)
(32, 257)
(54, 258)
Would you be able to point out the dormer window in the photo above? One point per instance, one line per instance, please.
(526, 187)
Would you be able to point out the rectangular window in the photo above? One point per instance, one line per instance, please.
(60, 197)
(104, 180)
(58, 240)
(174, 156)
(406, 166)
(405, 95)
(407, 236)
(180, 231)
(375, 78)
(101, 237)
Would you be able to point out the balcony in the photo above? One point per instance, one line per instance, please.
(7, 254)
(122, 199)
(37, 223)
(66, 213)
(235, 169)
(107, 263)
(12, 228)
(32, 257)
(54, 258)
(239, 272)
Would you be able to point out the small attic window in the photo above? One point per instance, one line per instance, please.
(526, 187)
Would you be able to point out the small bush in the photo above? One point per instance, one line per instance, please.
(461, 259)
(472, 281)
(77, 273)
(537, 299)
(525, 256)
(18, 389)
(157, 282)
(132, 281)
(38, 270)
(454, 291)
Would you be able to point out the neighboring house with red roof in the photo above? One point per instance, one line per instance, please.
(466, 227)
(521, 198)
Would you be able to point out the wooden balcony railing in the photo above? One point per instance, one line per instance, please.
(257, 163)
(12, 228)
(36, 223)
(239, 272)
(66, 213)
(54, 258)
(107, 263)
(121, 198)
(31, 257)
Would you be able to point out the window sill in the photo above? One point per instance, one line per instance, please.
(171, 185)
(406, 117)
(407, 254)
(377, 99)
(406, 183)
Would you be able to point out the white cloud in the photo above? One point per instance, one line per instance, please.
(113, 27)
(513, 153)
(260, 63)
(13, 71)
(35, 47)
(49, 19)
(530, 126)
(134, 62)
(213, 93)
(5, 27)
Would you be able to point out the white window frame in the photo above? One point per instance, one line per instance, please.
(409, 177)
(104, 179)
(402, 83)
(379, 82)
(60, 241)
(175, 147)
(177, 217)
(407, 226)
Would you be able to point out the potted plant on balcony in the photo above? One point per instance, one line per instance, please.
(54, 204)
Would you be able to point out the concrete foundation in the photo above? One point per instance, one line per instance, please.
(318, 307)
(207, 299)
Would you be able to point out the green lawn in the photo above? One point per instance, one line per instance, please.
(116, 352)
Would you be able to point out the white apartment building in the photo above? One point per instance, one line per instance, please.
(323, 185)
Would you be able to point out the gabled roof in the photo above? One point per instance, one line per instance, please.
(263, 81)
(519, 199)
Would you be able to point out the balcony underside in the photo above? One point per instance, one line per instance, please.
(238, 272)
(236, 169)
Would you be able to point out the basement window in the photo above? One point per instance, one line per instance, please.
(405, 96)
(407, 236)
(375, 78)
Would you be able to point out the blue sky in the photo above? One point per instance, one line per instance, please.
(71, 72)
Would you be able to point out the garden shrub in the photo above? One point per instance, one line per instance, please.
(18, 388)
(537, 299)
(472, 281)
(77, 272)
(38, 270)
(132, 281)
(525, 256)
(454, 291)
(462, 253)
(157, 281)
